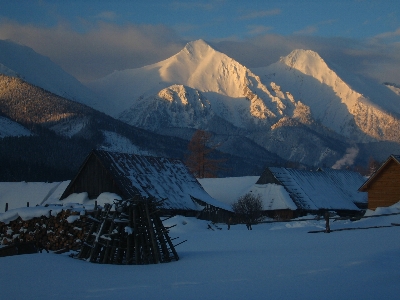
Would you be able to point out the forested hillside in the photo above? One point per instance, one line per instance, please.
(45, 157)
(55, 150)
(64, 132)
(28, 104)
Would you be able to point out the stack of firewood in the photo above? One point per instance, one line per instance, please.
(50, 233)
(128, 232)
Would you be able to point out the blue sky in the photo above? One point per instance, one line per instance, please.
(90, 39)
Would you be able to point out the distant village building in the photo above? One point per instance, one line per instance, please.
(21, 194)
(287, 193)
(129, 175)
(383, 186)
(324, 189)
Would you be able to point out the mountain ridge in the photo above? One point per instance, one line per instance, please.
(300, 86)
(23, 62)
(46, 137)
(298, 108)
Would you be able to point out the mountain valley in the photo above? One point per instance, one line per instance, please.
(299, 111)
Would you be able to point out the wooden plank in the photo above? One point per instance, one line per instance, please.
(135, 231)
(130, 242)
(105, 260)
(152, 236)
(83, 254)
(353, 228)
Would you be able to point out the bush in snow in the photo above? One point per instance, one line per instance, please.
(248, 208)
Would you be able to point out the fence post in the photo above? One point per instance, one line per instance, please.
(6, 207)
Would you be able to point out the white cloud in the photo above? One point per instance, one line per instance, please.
(100, 50)
(106, 47)
(258, 29)
(308, 30)
(388, 35)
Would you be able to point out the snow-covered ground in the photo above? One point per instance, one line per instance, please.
(280, 260)
(18, 194)
(273, 261)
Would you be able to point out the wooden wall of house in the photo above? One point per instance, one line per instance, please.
(279, 214)
(94, 179)
(214, 214)
(385, 189)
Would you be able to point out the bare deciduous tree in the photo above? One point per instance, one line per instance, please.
(198, 161)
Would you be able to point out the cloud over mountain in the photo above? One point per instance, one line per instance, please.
(97, 49)
(199, 85)
(301, 108)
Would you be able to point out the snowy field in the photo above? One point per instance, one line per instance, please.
(273, 261)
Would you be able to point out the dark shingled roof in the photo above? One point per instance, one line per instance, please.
(158, 177)
(322, 189)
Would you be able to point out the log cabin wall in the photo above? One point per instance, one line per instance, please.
(94, 179)
(129, 175)
(385, 189)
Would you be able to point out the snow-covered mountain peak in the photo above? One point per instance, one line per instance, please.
(300, 72)
(201, 67)
(197, 66)
(199, 84)
(309, 63)
(197, 49)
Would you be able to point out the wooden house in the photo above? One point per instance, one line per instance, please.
(320, 190)
(130, 175)
(286, 193)
(383, 187)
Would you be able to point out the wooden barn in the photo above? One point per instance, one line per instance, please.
(286, 193)
(383, 187)
(130, 175)
(320, 190)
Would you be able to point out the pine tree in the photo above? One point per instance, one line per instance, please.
(199, 161)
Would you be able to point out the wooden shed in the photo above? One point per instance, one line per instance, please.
(320, 190)
(383, 186)
(130, 175)
(286, 193)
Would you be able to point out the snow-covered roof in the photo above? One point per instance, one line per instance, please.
(230, 189)
(158, 177)
(273, 196)
(322, 189)
(17, 194)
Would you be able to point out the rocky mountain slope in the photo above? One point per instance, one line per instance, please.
(298, 107)
(45, 137)
(372, 116)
